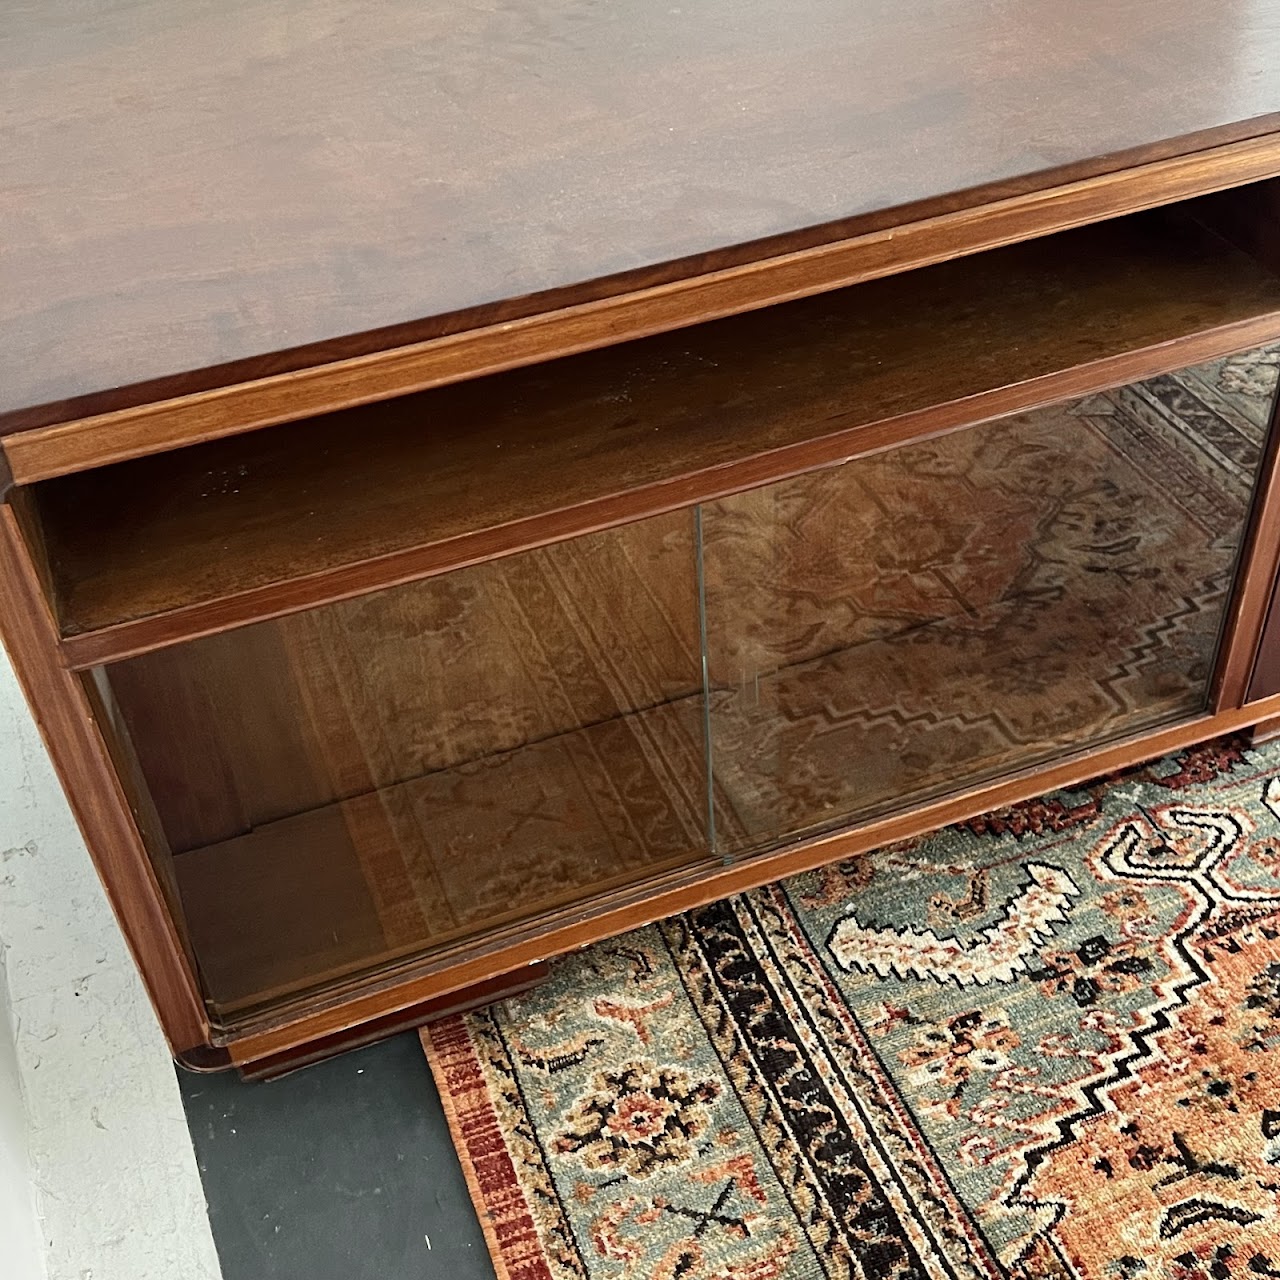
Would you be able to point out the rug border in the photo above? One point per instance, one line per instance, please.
(435, 1061)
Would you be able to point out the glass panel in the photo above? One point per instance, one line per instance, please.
(914, 621)
(371, 780)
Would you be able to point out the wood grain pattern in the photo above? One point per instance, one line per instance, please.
(1264, 678)
(501, 987)
(146, 425)
(316, 511)
(97, 799)
(1246, 649)
(259, 177)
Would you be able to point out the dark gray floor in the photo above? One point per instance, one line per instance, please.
(342, 1170)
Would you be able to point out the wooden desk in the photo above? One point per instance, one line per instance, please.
(481, 478)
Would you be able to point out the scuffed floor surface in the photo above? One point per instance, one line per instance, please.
(117, 1194)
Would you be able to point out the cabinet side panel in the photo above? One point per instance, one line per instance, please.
(221, 733)
(80, 757)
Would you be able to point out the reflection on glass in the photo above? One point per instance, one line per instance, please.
(382, 777)
(913, 621)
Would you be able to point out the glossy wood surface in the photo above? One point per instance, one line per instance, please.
(139, 424)
(1244, 634)
(1264, 680)
(191, 186)
(501, 987)
(164, 548)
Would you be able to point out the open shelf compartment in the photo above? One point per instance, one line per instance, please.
(162, 549)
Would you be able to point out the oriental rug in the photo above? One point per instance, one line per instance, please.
(1041, 1044)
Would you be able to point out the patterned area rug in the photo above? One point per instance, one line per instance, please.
(1045, 1043)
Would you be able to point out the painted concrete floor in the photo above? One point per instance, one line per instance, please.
(342, 1171)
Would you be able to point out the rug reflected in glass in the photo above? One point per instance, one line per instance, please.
(958, 607)
(1039, 1044)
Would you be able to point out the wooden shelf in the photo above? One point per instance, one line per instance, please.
(158, 550)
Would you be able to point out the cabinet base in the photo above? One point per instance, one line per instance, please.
(205, 1058)
(1265, 731)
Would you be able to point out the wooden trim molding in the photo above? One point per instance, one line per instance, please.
(1255, 581)
(44, 452)
(500, 987)
(80, 756)
(1265, 731)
